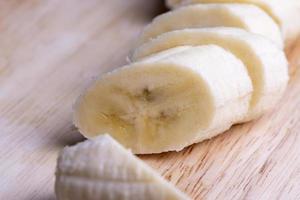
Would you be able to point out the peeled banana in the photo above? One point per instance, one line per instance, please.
(285, 13)
(245, 16)
(266, 63)
(168, 101)
(103, 169)
(187, 84)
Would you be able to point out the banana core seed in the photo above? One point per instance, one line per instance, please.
(144, 112)
(147, 95)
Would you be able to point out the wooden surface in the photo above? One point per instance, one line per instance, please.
(51, 50)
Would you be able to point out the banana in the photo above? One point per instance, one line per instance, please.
(285, 13)
(289, 15)
(266, 63)
(103, 169)
(214, 15)
(168, 101)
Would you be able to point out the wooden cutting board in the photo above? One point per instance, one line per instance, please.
(51, 50)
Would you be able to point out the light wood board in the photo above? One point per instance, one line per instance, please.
(51, 50)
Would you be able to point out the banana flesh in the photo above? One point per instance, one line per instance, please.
(267, 65)
(167, 101)
(214, 15)
(103, 169)
(188, 84)
(285, 13)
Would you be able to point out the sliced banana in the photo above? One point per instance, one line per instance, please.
(245, 16)
(285, 13)
(266, 63)
(168, 101)
(289, 16)
(103, 169)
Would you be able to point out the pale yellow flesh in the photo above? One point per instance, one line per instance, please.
(214, 15)
(166, 103)
(103, 169)
(266, 5)
(285, 13)
(266, 63)
(128, 106)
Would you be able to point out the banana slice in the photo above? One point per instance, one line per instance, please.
(266, 63)
(214, 15)
(168, 101)
(289, 16)
(285, 13)
(103, 169)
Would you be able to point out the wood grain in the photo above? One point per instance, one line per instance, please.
(52, 50)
